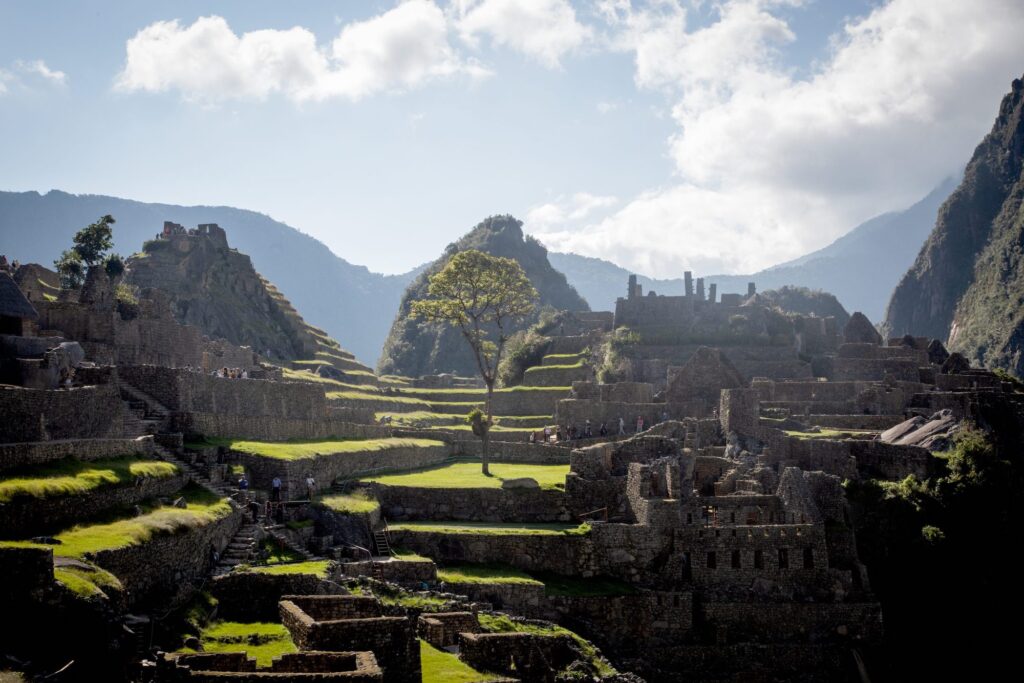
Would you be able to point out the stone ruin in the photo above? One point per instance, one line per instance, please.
(710, 540)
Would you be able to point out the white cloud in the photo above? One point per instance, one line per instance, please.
(26, 75)
(771, 165)
(400, 49)
(39, 68)
(552, 217)
(543, 29)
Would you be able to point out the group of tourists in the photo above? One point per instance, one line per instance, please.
(231, 373)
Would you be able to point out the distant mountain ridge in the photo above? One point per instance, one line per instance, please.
(861, 268)
(353, 304)
(967, 284)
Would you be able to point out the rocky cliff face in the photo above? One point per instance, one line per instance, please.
(416, 348)
(217, 289)
(966, 283)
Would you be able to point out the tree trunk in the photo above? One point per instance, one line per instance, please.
(484, 451)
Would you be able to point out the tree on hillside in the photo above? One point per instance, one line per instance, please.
(90, 248)
(482, 295)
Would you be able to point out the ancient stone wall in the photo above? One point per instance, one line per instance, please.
(254, 596)
(30, 516)
(442, 629)
(268, 427)
(530, 656)
(184, 391)
(13, 455)
(471, 505)
(748, 622)
(165, 565)
(319, 627)
(44, 415)
(328, 467)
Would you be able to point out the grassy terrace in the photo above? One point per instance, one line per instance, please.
(350, 504)
(261, 641)
(467, 475)
(439, 666)
(315, 567)
(493, 529)
(553, 584)
(485, 574)
(300, 450)
(427, 418)
(545, 368)
(74, 477)
(203, 508)
(500, 623)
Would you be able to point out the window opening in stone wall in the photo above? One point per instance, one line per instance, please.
(712, 560)
(735, 559)
(783, 558)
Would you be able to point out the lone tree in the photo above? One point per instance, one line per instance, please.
(483, 296)
(91, 245)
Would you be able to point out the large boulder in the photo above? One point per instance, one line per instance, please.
(520, 483)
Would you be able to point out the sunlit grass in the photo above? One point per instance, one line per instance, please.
(494, 529)
(203, 508)
(485, 573)
(353, 503)
(75, 477)
(439, 666)
(299, 450)
(315, 567)
(468, 475)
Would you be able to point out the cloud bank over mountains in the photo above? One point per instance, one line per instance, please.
(770, 159)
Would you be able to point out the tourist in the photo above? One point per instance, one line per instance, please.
(664, 416)
(603, 431)
(275, 490)
(245, 374)
(254, 508)
(639, 423)
(214, 554)
(622, 426)
(243, 483)
(310, 486)
(589, 433)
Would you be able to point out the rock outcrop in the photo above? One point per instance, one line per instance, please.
(217, 289)
(966, 285)
(416, 348)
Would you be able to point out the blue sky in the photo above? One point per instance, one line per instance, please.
(718, 136)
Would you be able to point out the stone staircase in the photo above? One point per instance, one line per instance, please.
(144, 415)
(241, 549)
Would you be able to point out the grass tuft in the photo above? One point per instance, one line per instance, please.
(467, 475)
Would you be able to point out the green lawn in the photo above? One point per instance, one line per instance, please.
(366, 396)
(545, 368)
(307, 376)
(485, 573)
(467, 475)
(316, 567)
(86, 583)
(74, 477)
(203, 508)
(261, 640)
(494, 529)
(352, 504)
(439, 666)
(299, 450)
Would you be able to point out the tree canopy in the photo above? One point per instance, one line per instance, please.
(482, 295)
(90, 248)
